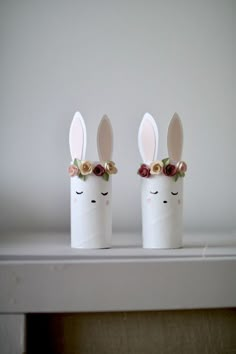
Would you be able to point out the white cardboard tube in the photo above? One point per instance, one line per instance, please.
(162, 212)
(91, 212)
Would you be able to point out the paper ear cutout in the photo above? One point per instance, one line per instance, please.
(175, 138)
(148, 138)
(77, 137)
(105, 139)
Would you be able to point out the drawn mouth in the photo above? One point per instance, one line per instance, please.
(93, 201)
(164, 201)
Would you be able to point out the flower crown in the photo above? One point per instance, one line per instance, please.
(163, 167)
(84, 168)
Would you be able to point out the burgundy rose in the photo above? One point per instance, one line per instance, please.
(99, 170)
(144, 171)
(170, 170)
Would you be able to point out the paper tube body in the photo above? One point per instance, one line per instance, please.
(162, 212)
(91, 213)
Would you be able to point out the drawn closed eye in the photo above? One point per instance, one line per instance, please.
(174, 193)
(79, 192)
(154, 192)
(104, 193)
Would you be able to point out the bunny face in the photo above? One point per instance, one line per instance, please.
(161, 195)
(91, 213)
(91, 196)
(162, 192)
(162, 207)
(93, 193)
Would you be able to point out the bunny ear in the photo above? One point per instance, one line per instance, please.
(175, 138)
(105, 139)
(77, 137)
(148, 138)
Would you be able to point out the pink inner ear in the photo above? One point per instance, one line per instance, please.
(148, 141)
(76, 139)
(175, 138)
(105, 140)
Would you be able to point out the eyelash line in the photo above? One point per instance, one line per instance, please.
(79, 192)
(104, 193)
(154, 192)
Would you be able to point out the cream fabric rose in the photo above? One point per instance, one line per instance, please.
(73, 170)
(156, 168)
(181, 166)
(110, 167)
(86, 168)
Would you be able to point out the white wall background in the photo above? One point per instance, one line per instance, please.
(122, 58)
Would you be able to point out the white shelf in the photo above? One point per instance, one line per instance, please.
(41, 273)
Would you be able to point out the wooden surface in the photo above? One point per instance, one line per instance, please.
(41, 273)
(126, 246)
(12, 334)
(165, 332)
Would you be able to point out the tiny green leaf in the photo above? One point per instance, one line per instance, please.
(176, 177)
(105, 176)
(82, 177)
(182, 174)
(76, 163)
(166, 161)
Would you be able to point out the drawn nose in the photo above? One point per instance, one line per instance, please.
(164, 201)
(93, 201)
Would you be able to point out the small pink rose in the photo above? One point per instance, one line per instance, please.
(110, 167)
(169, 170)
(99, 170)
(73, 170)
(144, 171)
(181, 166)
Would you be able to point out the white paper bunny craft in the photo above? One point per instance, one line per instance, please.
(91, 186)
(162, 185)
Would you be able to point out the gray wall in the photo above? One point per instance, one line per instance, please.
(122, 58)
